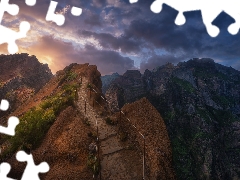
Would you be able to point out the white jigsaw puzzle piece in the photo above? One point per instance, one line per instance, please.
(209, 13)
(209, 9)
(4, 170)
(4, 105)
(133, 1)
(12, 9)
(31, 171)
(59, 19)
(12, 121)
(9, 36)
(76, 11)
(30, 2)
(12, 124)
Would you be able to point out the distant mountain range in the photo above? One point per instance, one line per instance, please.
(199, 101)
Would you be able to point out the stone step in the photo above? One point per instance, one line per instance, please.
(110, 145)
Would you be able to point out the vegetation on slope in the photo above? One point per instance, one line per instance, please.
(36, 122)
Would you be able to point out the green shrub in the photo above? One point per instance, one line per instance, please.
(36, 122)
(32, 129)
(68, 76)
(61, 100)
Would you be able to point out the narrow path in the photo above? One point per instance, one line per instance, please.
(117, 162)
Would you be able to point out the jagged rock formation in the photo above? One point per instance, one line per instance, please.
(200, 104)
(21, 77)
(127, 88)
(107, 79)
(149, 122)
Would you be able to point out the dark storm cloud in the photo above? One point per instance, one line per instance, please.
(161, 32)
(93, 20)
(187, 41)
(108, 41)
(129, 29)
(107, 61)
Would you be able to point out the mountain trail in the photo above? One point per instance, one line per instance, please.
(117, 161)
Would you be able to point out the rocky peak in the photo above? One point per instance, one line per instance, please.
(198, 63)
(21, 76)
(132, 74)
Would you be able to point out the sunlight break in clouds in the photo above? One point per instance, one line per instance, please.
(121, 35)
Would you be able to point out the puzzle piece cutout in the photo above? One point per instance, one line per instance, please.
(31, 171)
(76, 11)
(59, 19)
(30, 2)
(12, 121)
(12, 9)
(4, 170)
(209, 10)
(4, 105)
(12, 124)
(7, 35)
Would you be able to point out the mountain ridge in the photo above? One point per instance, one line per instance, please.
(200, 104)
(55, 127)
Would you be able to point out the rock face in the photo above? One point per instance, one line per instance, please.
(52, 118)
(149, 122)
(107, 79)
(200, 104)
(21, 76)
(127, 88)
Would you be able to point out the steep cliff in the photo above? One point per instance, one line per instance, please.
(52, 128)
(21, 77)
(150, 124)
(200, 104)
(107, 79)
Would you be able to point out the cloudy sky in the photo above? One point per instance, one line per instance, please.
(116, 36)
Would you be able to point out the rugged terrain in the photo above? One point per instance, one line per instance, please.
(64, 122)
(146, 123)
(52, 128)
(200, 104)
(21, 77)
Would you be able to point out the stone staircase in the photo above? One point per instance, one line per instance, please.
(117, 161)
